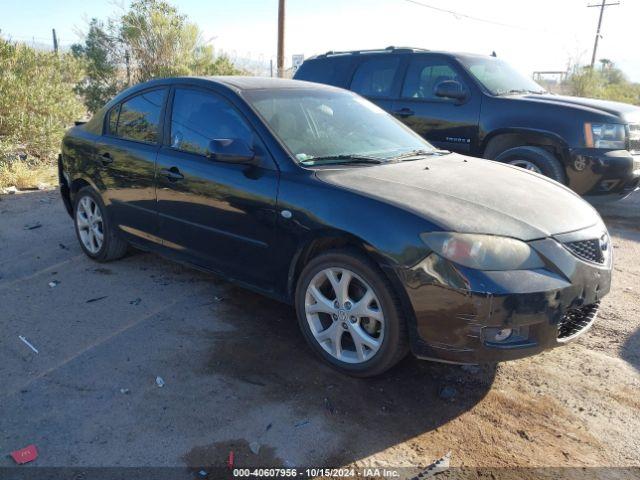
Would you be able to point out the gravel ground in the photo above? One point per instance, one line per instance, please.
(239, 377)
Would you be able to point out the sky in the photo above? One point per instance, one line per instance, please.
(531, 35)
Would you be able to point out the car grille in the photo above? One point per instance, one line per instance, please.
(588, 250)
(634, 138)
(576, 321)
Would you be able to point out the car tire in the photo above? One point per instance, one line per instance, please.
(360, 357)
(535, 159)
(90, 220)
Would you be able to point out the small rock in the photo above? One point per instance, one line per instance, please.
(10, 190)
(255, 447)
(124, 391)
(63, 246)
(43, 186)
(54, 283)
(525, 435)
(159, 382)
(135, 301)
(32, 226)
(448, 392)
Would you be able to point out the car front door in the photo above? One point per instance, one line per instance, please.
(217, 215)
(447, 123)
(126, 156)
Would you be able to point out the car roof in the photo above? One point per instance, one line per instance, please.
(388, 50)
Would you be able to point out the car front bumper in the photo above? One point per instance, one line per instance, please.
(610, 175)
(457, 310)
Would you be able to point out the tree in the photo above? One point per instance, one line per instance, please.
(102, 55)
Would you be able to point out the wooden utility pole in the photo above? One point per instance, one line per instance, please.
(595, 45)
(55, 40)
(280, 60)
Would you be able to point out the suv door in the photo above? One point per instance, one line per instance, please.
(125, 159)
(218, 215)
(377, 78)
(447, 123)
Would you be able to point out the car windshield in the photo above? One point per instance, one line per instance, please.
(499, 77)
(331, 126)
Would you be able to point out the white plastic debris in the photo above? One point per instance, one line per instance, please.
(28, 343)
(159, 382)
(255, 447)
(10, 190)
(54, 283)
(436, 467)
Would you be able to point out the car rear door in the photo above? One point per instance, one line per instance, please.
(218, 215)
(447, 123)
(126, 155)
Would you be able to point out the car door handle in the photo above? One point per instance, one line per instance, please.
(404, 112)
(173, 174)
(106, 158)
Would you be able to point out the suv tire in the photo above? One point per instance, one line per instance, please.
(541, 160)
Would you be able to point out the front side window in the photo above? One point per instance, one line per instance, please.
(315, 123)
(198, 117)
(424, 75)
(374, 78)
(139, 117)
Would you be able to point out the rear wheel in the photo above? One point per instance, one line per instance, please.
(94, 231)
(349, 315)
(534, 159)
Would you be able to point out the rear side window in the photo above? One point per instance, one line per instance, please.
(112, 121)
(423, 75)
(330, 71)
(198, 117)
(139, 117)
(374, 77)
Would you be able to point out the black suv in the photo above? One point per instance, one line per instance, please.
(479, 105)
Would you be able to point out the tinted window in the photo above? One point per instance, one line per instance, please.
(423, 75)
(139, 117)
(112, 121)
(199, 117)
(331, 71)
(374, 78)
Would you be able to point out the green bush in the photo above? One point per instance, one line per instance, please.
(37, 100)
(608, 84)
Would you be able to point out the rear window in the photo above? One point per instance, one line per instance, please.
(330, 71)
(374, 77)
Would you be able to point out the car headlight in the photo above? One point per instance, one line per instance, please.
(605, 135)
(483, 252)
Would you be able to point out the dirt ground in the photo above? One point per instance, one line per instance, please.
(238, 375)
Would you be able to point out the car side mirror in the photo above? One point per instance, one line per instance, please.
(450, 89)
(231, 150)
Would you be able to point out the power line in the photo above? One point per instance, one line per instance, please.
(468, 17)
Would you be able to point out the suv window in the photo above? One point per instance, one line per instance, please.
(423, 75)
(374, 77)
(139, 117)
(198, 117)
(330, 71)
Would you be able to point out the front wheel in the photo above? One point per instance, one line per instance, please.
(94, 231)
(349, 314)
(534, 159)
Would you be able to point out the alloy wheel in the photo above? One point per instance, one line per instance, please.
(526, 164)
(90, 224)
(344, 315)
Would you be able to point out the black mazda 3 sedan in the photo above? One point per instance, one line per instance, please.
(315, 196)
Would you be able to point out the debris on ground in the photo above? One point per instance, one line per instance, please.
(97, 299)
(436, 467)
(302, 423)
(448, 393)
(203, 473)
(329, 406)
(43, 186)
(9, 190)
(525, 435)
(63, 246)
(103, 271)
(230, 460)
(54, 283)
(28, 343)
(159, 382)
(25, 455)
(255, 447)
(124, 391)
(135, 301)
(473, 369)
(32, 226)
(268, 427)
(218, 299)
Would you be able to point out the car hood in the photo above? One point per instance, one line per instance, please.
(627, 113)
(470, 195)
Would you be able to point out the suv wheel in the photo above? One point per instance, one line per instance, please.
(535, 159)
(93, 229)
(349, 315)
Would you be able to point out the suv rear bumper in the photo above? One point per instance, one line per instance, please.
(608, 175)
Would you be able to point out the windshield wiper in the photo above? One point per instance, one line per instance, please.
(338, 159)
(420, 153)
